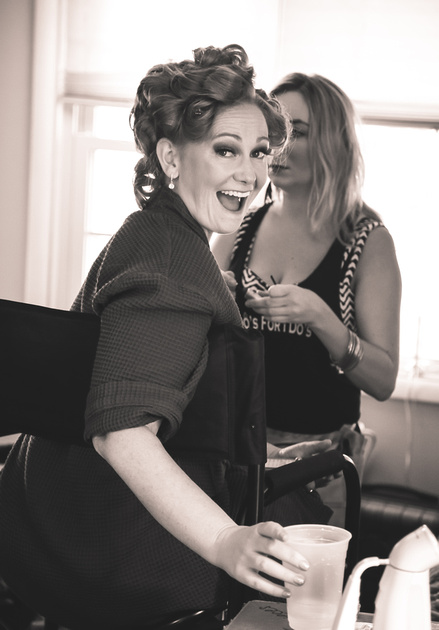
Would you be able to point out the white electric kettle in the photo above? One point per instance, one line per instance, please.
(403, 600)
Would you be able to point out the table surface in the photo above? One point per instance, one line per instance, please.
(264, 615)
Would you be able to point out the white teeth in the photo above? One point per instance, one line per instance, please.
(235, 193)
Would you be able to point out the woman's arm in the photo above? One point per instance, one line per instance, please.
(182, 508)
(377, 288)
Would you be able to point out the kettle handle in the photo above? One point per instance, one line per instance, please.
(346, 616)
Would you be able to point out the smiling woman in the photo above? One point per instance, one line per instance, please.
(125, 508)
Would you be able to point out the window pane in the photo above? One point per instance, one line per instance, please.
(401, 184)
(111, 194)
(94, 244)
(110, 198)
(112, 123)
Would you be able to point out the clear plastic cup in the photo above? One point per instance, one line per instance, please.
(313, 605)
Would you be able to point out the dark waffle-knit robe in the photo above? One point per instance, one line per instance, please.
(75, 543)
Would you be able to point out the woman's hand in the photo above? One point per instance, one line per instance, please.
(285, 303)
(229, 279)
(247, 552)
(301, 450)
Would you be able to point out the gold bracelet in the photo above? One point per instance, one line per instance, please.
(353, 355)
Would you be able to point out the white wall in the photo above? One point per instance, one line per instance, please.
(406, 453)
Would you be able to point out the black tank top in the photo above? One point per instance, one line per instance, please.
(305, 391)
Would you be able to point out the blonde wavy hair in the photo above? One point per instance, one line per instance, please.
(335, 155)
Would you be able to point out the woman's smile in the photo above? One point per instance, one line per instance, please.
(232, 200)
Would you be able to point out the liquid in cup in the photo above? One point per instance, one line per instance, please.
(313, 605)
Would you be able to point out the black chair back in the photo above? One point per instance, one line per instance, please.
(46, 362)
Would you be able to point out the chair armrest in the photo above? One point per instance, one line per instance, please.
(280, 481)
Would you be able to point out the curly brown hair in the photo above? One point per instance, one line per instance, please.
(179, 101)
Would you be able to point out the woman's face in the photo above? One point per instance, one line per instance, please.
(219, 177)
(293, 167)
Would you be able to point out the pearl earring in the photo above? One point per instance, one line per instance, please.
(171, 183)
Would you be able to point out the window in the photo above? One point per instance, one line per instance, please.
(96, 192)
(110, 195)
(402, 163)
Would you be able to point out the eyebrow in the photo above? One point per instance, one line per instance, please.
(238, 137)
(299, 121)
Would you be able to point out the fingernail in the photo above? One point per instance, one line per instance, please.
(304, 565)
(299, 580)
(286, 594)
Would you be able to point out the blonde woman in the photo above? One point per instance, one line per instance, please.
(316, 272)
